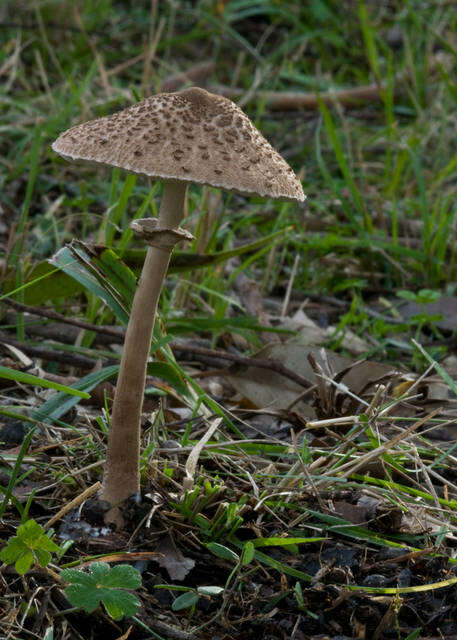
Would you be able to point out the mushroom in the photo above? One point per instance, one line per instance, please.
(188, 136)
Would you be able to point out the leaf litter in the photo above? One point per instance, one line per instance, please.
(326, 467)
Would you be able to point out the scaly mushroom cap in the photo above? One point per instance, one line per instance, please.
(191, 135)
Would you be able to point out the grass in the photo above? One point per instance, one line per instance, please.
(378, 229)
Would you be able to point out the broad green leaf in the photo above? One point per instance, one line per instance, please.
(222, 551)
(185, 601)
(27, 378)
(24, 562)
(119, 603)
(124, 576)
(43, 557)
(30, 531)
(88, 590)
(44, 282)
(77, 577)
(13, 550)
(78, 596)
(47, 544)
(31, 542)
(99, 571)
(33, 536)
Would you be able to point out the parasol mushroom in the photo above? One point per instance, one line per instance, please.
(188, 136)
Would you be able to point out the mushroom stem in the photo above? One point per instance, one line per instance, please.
(122, 473)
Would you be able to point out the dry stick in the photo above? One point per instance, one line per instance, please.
(53, 315)
(290, 284)
(49, 354)
(261, 363)
(196, 74)
(398, 559)
(73, 503)
(191, 463)
(289, 100)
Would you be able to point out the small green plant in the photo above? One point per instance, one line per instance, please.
(190, 597)
(227, 518)
(422, 298)
(106, 586)
(424, 319)
(31, 545)
(298, 593)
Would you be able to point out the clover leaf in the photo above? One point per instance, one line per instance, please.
(30, 545)
(106, 586)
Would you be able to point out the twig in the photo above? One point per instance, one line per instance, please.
(289, 100)
(290, 284)
(272, 365)
(260, 363)
(73, 503)
(50, 355)
(191, 463)
(53, 315)
(196, 74)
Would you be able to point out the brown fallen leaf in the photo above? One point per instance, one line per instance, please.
(171, 559)
(266, 389)
(357, 514)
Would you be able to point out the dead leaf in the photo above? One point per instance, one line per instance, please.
(314, 335)
(267, 389)
(125, 635)
(171, 559)
(357, 514)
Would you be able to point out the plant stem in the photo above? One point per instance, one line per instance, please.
(122, 473)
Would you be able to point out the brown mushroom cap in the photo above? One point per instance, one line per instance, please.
(191, 135)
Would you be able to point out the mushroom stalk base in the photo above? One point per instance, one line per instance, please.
(122, 474)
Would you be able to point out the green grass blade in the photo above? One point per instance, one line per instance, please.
(12, 482)
(58, 405)
(28, 378)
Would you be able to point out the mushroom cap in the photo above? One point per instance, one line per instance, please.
(191, 135)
